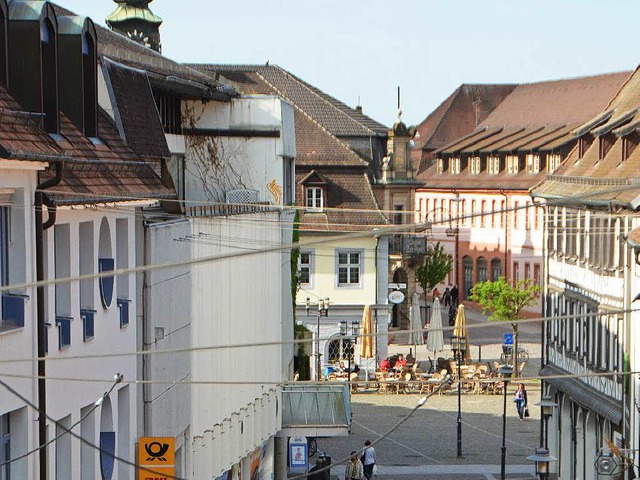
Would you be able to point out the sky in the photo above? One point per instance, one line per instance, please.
(363, 50)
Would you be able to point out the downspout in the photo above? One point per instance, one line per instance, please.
(39, 200)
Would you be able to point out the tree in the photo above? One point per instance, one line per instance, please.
(505, 303)
(437, 265)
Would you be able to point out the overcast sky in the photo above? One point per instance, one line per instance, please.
(366, 48)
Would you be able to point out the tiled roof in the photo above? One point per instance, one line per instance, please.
(459, 114)
(109, 171)
(467, 141)
(350, 202)
(338, 118)
(633, 238)
(611, 179)
(137, 111)
(483, 180)
(558, 102)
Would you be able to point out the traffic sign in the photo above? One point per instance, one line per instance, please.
(396, 286)
(157, 457)
(507, 339)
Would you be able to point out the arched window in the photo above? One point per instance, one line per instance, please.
(496, 269)
(467, 276)
(49, 76)
(482, 269)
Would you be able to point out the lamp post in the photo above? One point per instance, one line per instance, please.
(506, 372)
(542, 459)
(323, 311)
(353, 340)
(546, 405)
(456, 346)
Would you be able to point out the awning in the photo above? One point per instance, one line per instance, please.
(315, 410)
(583, 394)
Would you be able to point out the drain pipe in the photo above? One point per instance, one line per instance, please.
(41, 200)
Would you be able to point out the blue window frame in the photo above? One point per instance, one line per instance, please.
(88, 323)
(4, 245)
(5, 447)
(123, 306)
(64, 331)
(12, 311)
(46, 336)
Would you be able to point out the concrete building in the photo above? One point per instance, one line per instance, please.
(71, 190)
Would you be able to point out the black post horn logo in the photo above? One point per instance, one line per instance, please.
(156, 451)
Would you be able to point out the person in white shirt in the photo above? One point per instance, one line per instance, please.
(354, 468)
(369, 459)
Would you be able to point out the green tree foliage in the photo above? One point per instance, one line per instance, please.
(505, 303)
(437, 265)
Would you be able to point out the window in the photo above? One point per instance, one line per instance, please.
(315, 200)
(483, 213)
(341, 350)
(123, 307)
(473, 213)
(533, 163)
(516, 272)
(482, 269)
(536, 276)
(5, 446)
(463, 212)
(516, 213)
(90, 85)
(88, 323)
(512, 164)
(527, 214)
(527, 271)
(494, 165)
(629, 144)
(496, 269)
(288, 174)
(503, 213)
(349, 268)
(537, 211)
(64, 331)
(553, 162)
(398, 213)
(170, 110)
(583, 145)
(605, 142)
(474, 165)
(440, 165)
(454, 166)
(49, 77)
(493, 213)
(305, 267)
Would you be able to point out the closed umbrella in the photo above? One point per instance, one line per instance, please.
(366, 343)
(460, 331)
(415, 320)
(435, 336)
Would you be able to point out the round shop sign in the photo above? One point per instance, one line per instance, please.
(396, 296)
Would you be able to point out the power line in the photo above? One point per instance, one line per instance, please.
(84, 440)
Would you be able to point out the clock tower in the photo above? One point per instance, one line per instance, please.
(134, 19)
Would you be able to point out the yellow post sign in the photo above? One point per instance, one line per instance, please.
(156, 458)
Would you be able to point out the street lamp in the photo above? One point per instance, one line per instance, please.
(353, 340)
(323, 311)
(506, 372)
(546, 405)
(542, 459)
(456, 345)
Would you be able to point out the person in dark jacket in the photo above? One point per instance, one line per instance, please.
(446, 297)
(452, 315)
(319, 475)
(454, 296)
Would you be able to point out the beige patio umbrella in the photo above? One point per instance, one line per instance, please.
(366, 343)
(460, 330)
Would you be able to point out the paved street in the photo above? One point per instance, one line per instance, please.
(425, 446)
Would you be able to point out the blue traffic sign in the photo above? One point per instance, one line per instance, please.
(507, 338)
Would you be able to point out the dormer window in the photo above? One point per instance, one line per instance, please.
(512, 164)
(553, 162)
(440, 165)
(533, 163)
(474, 165)
(454, 165)
(49, 76)
(605, 142)
(90, 85)
(629, 144)
(494, 165)
(314, 199)
(584, 143)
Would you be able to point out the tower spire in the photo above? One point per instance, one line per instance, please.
(134, 19)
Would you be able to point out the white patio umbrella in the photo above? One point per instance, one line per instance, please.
(415, 321)
(435, 336)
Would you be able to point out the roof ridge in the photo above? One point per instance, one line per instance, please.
(307, 86)
(315, 122)
(571, 79)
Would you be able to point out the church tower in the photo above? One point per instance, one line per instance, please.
(134, 19)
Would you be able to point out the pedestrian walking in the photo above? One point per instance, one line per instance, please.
(454, 296)
(368, 459)
(446, 297)
(452, 315)
(520, 399)
(315, 475)
(436, 293)
(354, 470)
